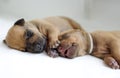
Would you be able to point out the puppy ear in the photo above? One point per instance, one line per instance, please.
(4, 41)
(20, 22)
(63, 36)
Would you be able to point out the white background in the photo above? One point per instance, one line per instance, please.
(42, 8)
(91, 14)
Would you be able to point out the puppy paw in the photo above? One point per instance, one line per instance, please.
(53, 53)
(111, 62)
(54, 43)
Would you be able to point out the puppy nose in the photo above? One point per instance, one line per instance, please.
(61, 49)
(38, 48)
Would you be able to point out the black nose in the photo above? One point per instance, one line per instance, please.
(38, 48)
(40, 45)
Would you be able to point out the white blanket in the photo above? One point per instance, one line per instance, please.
(16, 64)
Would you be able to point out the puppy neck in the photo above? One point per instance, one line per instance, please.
(90, 43)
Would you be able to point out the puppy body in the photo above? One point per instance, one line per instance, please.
(33, 35)
(105, 45)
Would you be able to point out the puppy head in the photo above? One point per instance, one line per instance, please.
(25, 36)
(72, 44)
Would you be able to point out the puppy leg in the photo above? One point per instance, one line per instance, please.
(115, 50)
(53, 42)
(111, 62)
(108, 59)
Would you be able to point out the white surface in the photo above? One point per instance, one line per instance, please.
(16, 64)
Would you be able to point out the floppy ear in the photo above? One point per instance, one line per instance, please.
(20, 22)
(65, 34)
(4, 41)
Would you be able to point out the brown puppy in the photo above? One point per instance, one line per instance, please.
(102, 44)
(33, 36)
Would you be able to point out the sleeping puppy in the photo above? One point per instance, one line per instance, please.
(37, 35)
(102, 44)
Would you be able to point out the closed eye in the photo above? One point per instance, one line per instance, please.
(28, 34)
(65, 36)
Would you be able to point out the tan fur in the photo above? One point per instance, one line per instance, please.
(17, 40)
(49, 27)
(106, 45)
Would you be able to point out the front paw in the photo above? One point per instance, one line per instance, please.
(54, 43)
(111, 62)
(52, 53)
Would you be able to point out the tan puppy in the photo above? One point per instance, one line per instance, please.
(33, 36)
(102, 44)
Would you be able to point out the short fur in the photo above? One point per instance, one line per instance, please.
(105, 45)
(39, 34)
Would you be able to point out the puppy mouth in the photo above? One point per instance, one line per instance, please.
(68, 52)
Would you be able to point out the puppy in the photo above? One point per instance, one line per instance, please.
(37, 35)
(102, 44)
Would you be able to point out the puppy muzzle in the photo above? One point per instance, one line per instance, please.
(36, 47)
